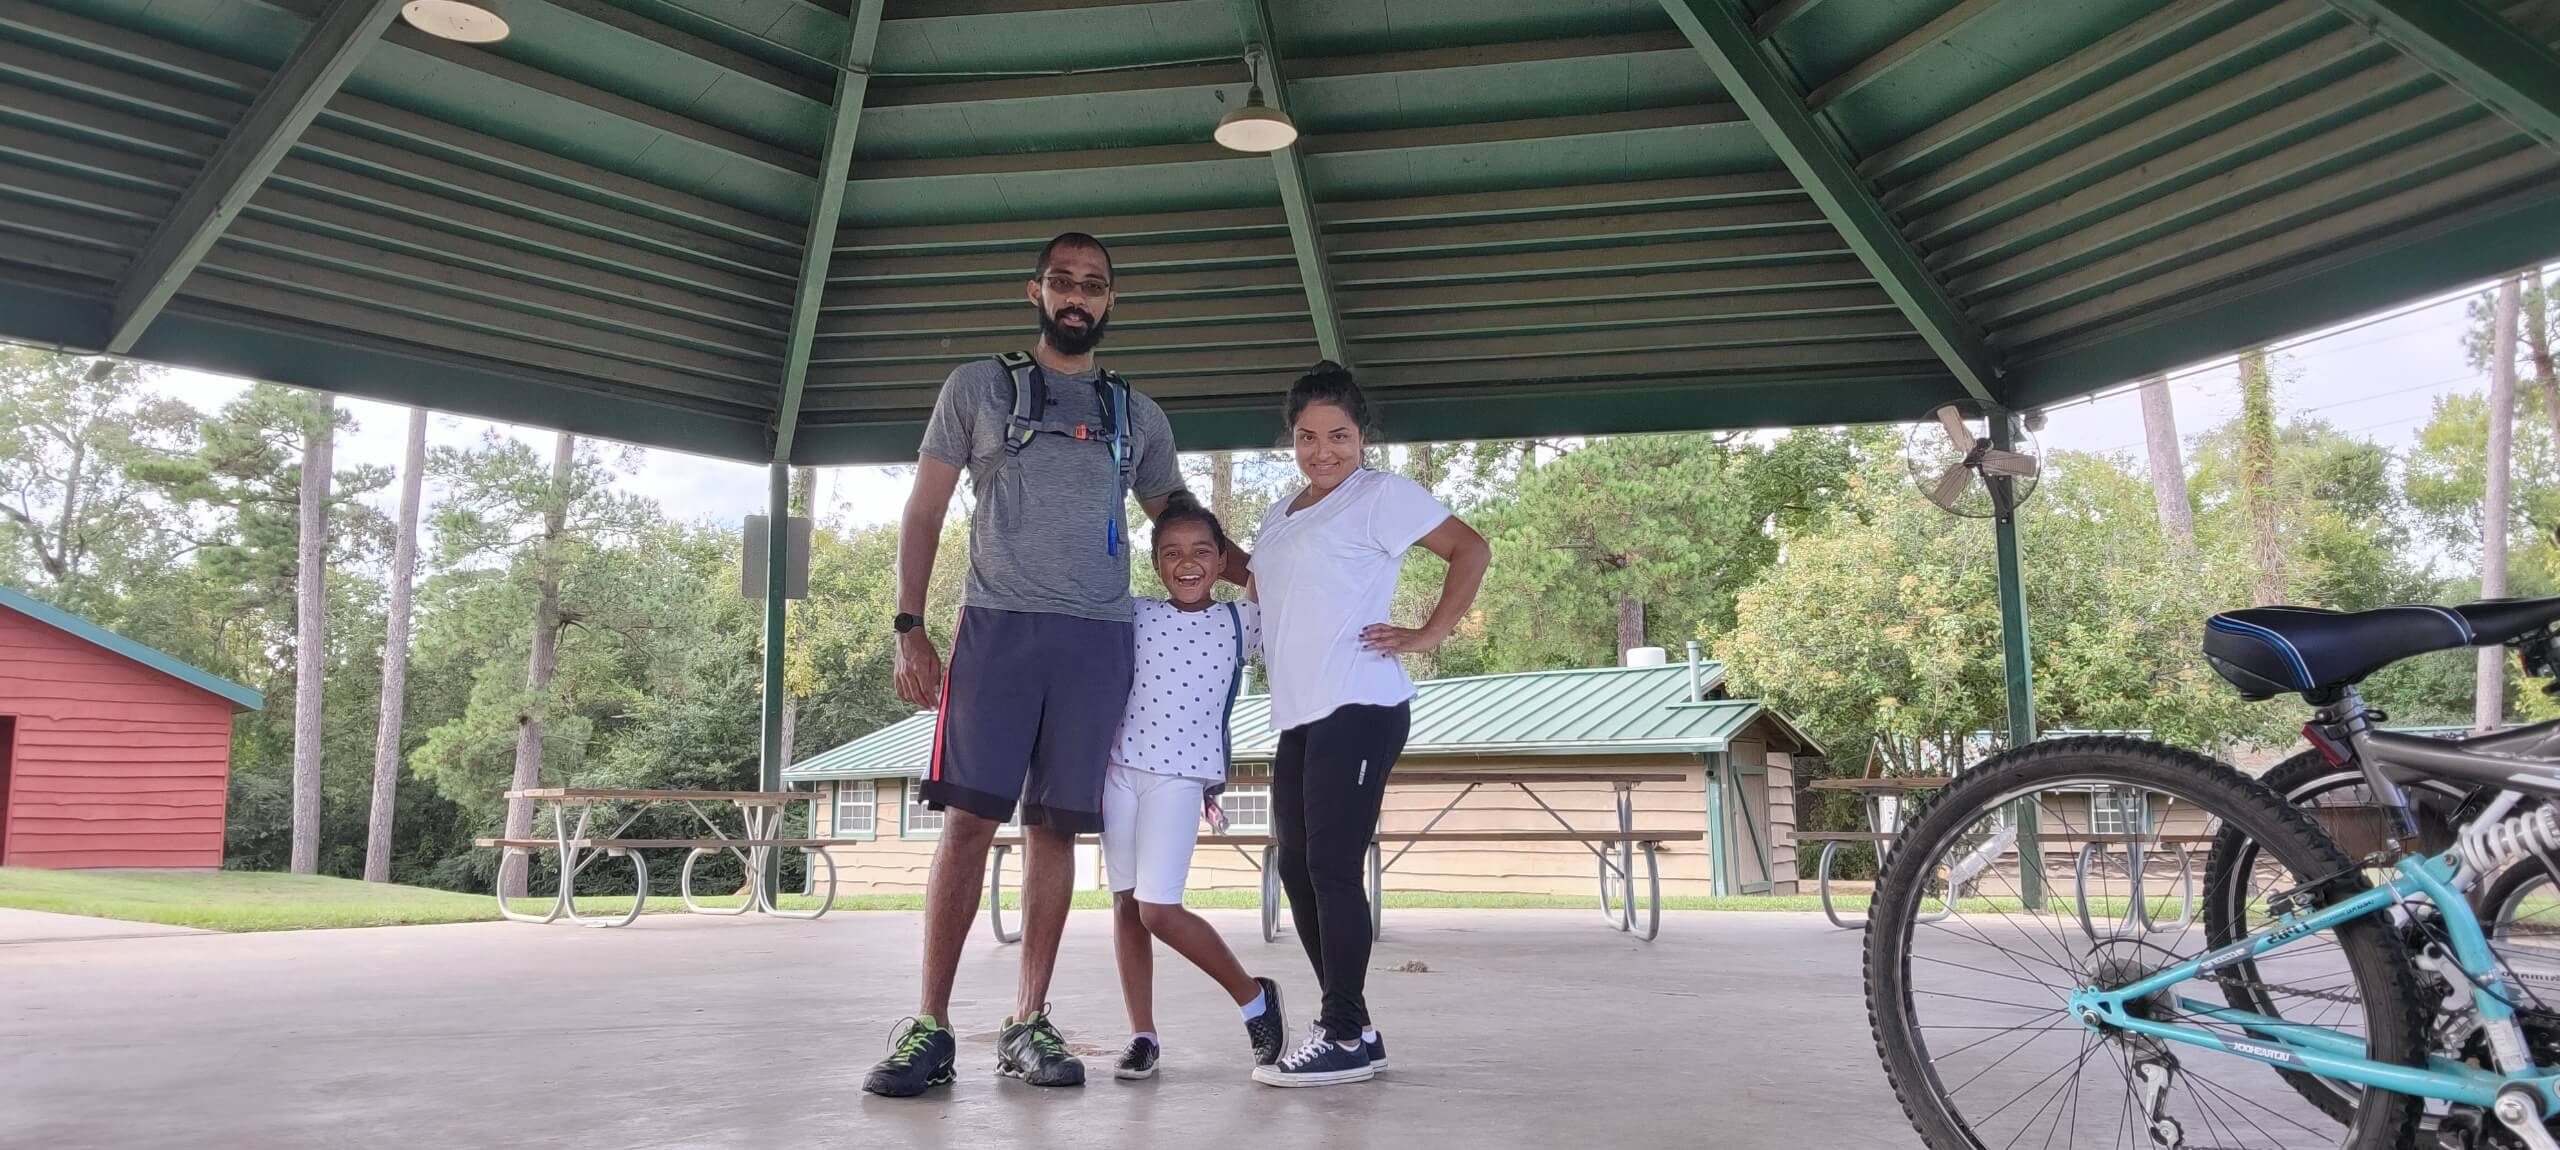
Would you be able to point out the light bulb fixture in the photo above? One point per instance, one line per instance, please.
(1256, 127)
(466, 21)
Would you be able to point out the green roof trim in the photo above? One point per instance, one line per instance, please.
(1583, 712)
(157, 660)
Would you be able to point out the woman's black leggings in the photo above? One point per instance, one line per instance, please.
(1325, 787)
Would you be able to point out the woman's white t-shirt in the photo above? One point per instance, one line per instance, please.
(1187, 667)
(1325, 574)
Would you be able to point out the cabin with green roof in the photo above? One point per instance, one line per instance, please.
(1735, 758)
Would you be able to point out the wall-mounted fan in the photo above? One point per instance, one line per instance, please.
(1952, 462)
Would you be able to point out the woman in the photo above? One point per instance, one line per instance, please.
(1324, 570)
(1170, 756)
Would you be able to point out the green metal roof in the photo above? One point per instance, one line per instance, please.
(1512, 216)
(1597, 711)
(161, 661)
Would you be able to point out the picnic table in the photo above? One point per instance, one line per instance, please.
(760, 820)
(1616, 850)
(1885, 819)
(1885, 806)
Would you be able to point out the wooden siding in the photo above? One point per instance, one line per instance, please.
(114, 764)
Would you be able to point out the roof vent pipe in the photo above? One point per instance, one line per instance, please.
(1697, 688)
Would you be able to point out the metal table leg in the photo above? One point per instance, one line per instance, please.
(995, 898)
(559, 898)
(1822, 885)
(639, 870)
(1653, 903)
(1270, 895)
(684, 882)
(816, 856)
(1377, 890)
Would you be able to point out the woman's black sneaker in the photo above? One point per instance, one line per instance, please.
(1139, 1061)
(1032, 1051)
(920, 1057)
(1269, 1031)
(1321, 1062)
(1377, 1048)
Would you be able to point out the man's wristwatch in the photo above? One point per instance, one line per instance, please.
(906, 622)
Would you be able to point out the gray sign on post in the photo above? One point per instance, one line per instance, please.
(751, 572)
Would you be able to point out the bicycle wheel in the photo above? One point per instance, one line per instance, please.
(2521, 911)
(1969, 1014)
(2341, 802)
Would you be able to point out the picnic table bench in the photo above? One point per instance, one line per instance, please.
(760, 813)
(1885, 824)
(1616, 850)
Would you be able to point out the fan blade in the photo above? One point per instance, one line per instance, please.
(1957, 432)
(1997, 462)
(1950, 486)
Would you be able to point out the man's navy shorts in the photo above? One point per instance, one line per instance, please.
(1030, 706)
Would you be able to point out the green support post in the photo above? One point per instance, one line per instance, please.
(2016, 657)
(777, 564)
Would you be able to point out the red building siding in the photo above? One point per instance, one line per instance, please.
(114, 764)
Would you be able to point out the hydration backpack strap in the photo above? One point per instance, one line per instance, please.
(1124, 458)
(1030, 400)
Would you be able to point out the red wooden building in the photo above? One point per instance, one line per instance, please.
(111, 754)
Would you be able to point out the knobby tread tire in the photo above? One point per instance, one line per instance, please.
(2394, 1019)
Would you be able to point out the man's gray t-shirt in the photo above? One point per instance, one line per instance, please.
(1037, 537)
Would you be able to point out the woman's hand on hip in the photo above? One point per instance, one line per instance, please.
(1388, 639)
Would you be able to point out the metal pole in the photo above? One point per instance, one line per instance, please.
(2015, 657)
(777, 561)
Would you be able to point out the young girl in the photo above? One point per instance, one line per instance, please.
(1324, 570)
(1170, 759)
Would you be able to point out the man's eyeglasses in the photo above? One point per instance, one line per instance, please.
(1067, 285)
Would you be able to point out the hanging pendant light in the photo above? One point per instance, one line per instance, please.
(466, 21)
(1256, 127)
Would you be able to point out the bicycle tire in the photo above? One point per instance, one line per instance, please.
(2380, 962)
(2300, 779)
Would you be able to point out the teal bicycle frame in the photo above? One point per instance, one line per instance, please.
(2327, 1053)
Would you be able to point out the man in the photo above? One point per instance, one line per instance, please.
(1042, 660)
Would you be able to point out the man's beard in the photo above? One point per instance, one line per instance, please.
(1073, 342)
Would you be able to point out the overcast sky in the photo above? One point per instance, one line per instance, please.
(2376, 378)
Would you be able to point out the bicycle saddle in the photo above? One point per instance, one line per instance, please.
(2268, 651)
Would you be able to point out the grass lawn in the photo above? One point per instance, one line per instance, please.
(250, 901)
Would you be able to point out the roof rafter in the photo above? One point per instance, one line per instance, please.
(834, 168)
(292, 99)
(1306, 234)
(1721, 31)
(2475, 50)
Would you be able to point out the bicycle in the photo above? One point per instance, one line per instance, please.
(2367, 984)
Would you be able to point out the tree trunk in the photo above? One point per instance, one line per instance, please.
(1630, 626)
(1222, 484)
(543, 660)
(1426, 466)
(395, 657)
(2537, 339)
(2489, 692)
(61, 561)
(2258, 472)
(2168, 466)
(311, 637)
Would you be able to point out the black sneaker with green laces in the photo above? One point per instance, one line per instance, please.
(1032, 1051)
(920, 1058)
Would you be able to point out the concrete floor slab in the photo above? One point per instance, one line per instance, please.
(24, 926)
(1530, 1029)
